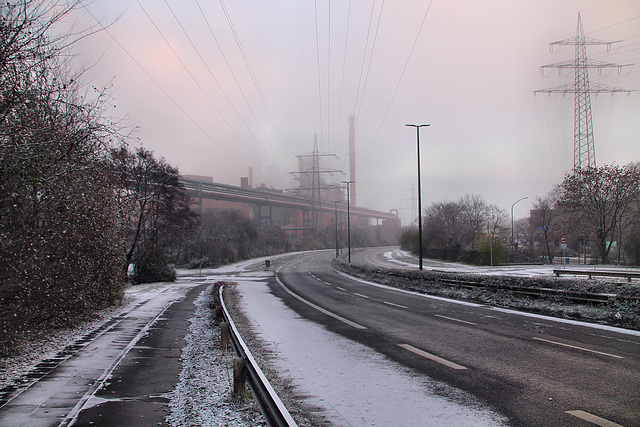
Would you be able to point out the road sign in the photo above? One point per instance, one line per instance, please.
(563, 240)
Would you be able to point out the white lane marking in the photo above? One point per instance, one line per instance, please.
(498, 309)
(593, 419)
(456, 320)
(360, 295)
(342, 289)
(320, 309)
(578, 348)
(432, 357)
(395, 305)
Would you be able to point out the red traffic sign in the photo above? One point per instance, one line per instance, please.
(563, 240)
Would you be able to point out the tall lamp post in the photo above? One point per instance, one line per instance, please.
(337, 253)
(419, 193)
(348, 220)
(515, 245)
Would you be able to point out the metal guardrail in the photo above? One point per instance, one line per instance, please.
(580, 297)
(272, 408)
(623, 274)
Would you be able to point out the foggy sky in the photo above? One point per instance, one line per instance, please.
(470, 73)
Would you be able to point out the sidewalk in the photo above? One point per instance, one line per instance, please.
(121, 376)
(135, 394)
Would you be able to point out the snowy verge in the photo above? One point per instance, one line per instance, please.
(341, 382)
(504, 291)
(203, 395)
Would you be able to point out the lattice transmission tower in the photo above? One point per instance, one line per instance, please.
(584, 152)
(311, 177)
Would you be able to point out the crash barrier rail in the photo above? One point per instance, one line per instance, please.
(626, 274)
(272, 408)
(579, 297)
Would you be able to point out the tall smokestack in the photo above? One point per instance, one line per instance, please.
(352, 159)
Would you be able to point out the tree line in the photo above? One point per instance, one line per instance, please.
(595, 211)
(83, 210)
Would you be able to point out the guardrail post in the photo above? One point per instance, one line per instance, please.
(239, 379)
(224, 335)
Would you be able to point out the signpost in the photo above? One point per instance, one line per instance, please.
(563, 245)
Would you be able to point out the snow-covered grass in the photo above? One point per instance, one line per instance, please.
(203, 395)
(501, 285)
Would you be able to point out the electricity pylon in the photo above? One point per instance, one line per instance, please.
(311, 178)
(584, 152)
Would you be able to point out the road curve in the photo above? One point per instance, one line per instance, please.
(535, 370)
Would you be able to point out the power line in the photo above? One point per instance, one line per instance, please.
(373, 47)
(197, 83)
(329, 77)
(277, 159)
(404, 69)
(252, 74)
(304, 61)
(613, 25)
(344, 62)
(159, 85)
(235, 78)
(364, 56)
(318, 72)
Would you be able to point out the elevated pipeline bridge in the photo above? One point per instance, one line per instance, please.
(269, 208)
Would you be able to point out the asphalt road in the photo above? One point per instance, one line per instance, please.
(534, 370)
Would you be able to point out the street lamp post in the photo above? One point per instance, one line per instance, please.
(419, 193)
(515, 245)
(348, 221)
(337, 253)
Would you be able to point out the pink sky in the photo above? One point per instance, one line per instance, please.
(471, 75)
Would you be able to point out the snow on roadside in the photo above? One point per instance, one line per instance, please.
(203, 395)
(346, 382)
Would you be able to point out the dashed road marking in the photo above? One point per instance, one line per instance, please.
(360, 295)
(456, 320)
(320, 309)
(395, 305)
(593, 419)
(342, 289)
(578, 348)
(432, 357)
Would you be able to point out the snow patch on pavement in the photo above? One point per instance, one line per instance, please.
(358, 386)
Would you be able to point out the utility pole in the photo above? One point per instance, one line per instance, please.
(419, 194)
(513, 242)
(584, 152)
(336, 207)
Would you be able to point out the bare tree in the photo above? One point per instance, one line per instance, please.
(474, 211)
(603, 199)
(60, 236)
(155, 209)
(543, 222)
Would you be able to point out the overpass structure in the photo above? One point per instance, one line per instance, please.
(275, 208)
